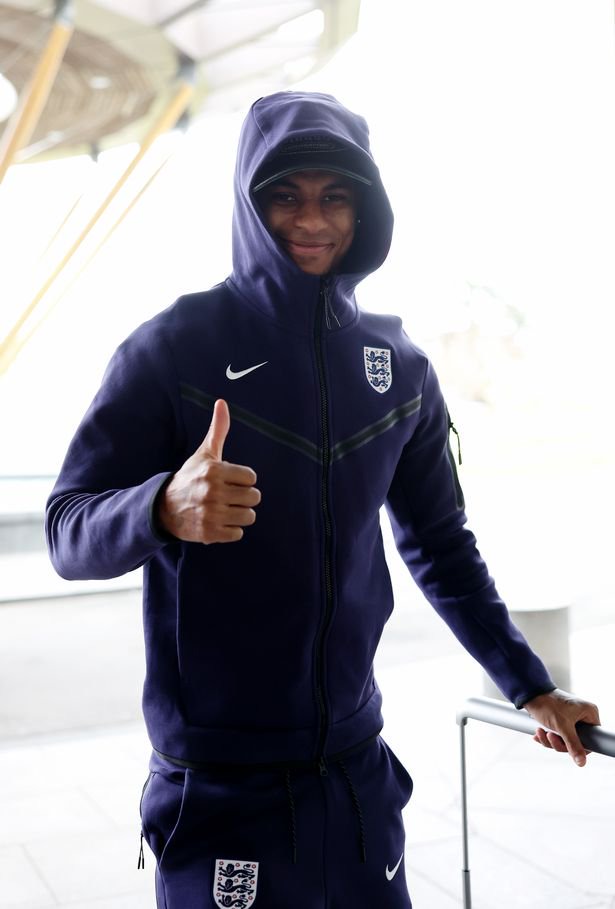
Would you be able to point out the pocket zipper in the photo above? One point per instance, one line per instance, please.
(141, 859)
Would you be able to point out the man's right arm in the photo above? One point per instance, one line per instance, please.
(121, 495)
(100, 520)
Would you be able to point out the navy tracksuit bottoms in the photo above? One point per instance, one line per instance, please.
(307, 838)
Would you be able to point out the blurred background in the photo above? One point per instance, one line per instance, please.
(492, 123)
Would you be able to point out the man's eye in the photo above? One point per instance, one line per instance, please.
(281, 198)
(337, 198)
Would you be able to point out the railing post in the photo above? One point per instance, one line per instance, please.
(465, 869)
(498, 713)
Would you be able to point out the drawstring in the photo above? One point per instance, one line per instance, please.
(293, 818)
(353, 796)
(357, 807)
(141, 861)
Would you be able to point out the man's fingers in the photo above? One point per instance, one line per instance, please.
(240, 517)
(213, 443)
(549, 739)
(228, 528)
(244, 496)
(575, 749)
(236, 475)
(223, 535)
(556, 742)
(572, 744)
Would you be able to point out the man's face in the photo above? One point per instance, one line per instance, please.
(312, 215)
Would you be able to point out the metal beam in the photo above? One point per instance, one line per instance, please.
(181, 13)
(167, 120)
(35, 94)
(7, 357)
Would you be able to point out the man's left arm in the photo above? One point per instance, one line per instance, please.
(426, 507)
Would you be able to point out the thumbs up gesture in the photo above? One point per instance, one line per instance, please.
(209, 500)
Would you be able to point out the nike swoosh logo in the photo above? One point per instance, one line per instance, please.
(391, 874)
(243, 372)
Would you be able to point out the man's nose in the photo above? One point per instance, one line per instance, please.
(309, 216)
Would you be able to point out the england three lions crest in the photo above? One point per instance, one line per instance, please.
(235, 883)
(378, 368)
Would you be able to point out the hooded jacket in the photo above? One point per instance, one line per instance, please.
(262, 650)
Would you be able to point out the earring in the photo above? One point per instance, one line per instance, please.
(358, 221)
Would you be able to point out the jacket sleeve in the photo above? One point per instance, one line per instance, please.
(99, 519)
(426, 508)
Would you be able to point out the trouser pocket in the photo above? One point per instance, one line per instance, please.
(366, 794)
(161, 804)
(402, 777)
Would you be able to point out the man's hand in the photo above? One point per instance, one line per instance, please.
(559, 712)
(209, 500)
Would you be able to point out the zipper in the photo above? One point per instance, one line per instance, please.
(452, 428)
(459, 497)
(141, 859)
(322, 315)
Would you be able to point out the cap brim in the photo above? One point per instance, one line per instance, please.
(311, 165)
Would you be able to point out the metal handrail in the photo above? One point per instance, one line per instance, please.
(499, 713)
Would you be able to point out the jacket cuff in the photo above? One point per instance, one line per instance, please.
(158, 532)
(521, 701)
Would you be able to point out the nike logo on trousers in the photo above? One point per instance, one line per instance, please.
(243, 372)
(391, 874)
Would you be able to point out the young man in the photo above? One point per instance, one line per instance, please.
(264, 604)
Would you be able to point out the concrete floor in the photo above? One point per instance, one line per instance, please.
(73, 758)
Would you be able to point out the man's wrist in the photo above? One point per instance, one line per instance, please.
(160, 519)
(521, 705)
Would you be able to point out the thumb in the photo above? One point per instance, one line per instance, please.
(213, 443)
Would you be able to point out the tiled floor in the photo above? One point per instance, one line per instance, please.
(542, 831)
(69, 832)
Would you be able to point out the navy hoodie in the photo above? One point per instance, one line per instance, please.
(262, 650)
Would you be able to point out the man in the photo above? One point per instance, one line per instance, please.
(269, 783)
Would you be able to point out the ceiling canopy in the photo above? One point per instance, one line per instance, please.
(120, 63)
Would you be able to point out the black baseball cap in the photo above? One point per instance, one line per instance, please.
(311, 153)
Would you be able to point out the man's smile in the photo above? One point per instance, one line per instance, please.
(305, 247)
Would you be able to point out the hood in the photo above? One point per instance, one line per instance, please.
(262, 271)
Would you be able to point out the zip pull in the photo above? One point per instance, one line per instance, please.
(328, 308)
(452, 428)
(322, 767)
(141, 861)
(325, 299)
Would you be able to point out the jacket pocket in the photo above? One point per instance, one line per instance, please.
(145, 785)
